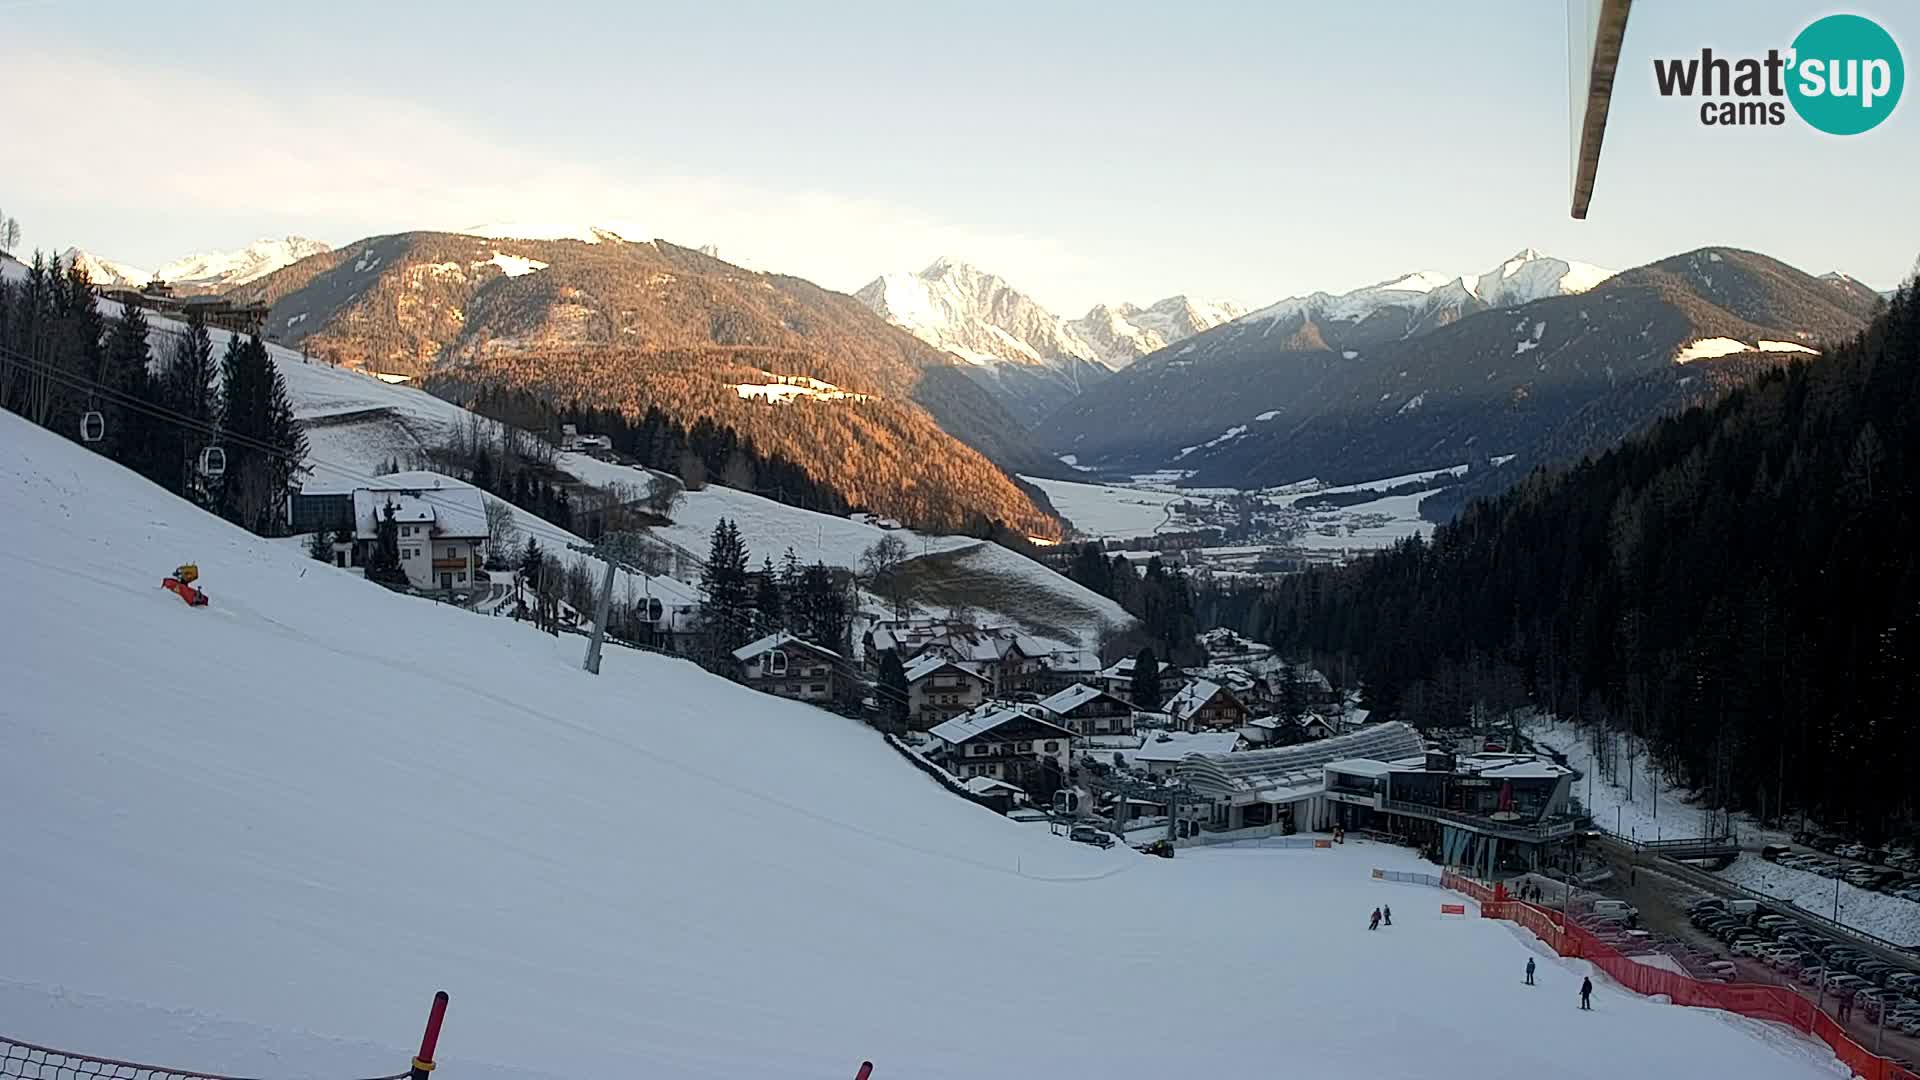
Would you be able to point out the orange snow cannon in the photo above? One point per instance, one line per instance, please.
(180, 583)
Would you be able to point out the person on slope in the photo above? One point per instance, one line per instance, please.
(1386, 912)
(1586, 992)
(1374, 923)
(1529, 971)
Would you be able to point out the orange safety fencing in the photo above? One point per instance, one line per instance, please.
(1775, 1003)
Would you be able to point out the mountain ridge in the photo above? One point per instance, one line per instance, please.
(804, 373)
(1348, 393)
(1030, 357)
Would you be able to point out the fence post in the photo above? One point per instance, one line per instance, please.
(423, 1062)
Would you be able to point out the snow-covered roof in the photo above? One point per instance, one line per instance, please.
(987, 785)
(1234, 678)
(1193, 697)
(1297, 768)
(451, 508)
(927, 663)
(1177, 745)
(1360, 767)
(1513, 767)
(1123, 668)
(776, 640)
(1072, 698)
(1073, 660)
(983, 720)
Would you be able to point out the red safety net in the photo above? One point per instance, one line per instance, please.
(1775, 1003)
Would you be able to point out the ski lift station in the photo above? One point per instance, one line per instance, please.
(1491, 811)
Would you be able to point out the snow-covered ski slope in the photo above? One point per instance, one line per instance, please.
(254, 837)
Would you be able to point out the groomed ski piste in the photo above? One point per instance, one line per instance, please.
(253, 838)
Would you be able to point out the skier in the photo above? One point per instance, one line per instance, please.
(1529, 971)
(1374, 923)
(1586, 992)
(1386, 912)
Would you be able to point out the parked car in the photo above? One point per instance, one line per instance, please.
(1087, 834)
(1773, 852)
(1618, 911)
(1906, 982)
(1746, 946)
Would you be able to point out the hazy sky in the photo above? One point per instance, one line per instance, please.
(1085, 151)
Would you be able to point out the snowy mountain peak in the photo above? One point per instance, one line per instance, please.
(206, 272)
(1526, 276)
(104, 271)
(975, 315)
(224, 269)
(1125, 332)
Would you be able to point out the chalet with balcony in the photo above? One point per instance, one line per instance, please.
(1088, 710)
(1204, 705)
(1017, 745)
(785, 666)
(939, 690)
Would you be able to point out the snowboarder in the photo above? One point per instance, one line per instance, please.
(1586, 992)
(1374, 923)
(1386, 912)
(1529, 971)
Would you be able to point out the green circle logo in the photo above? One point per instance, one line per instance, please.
(1846, 75)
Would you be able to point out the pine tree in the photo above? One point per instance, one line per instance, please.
(1292, 693)
(127, 372)
(320, 547)
(1146, 681)
(727, 607)
(384, 564)
(893, 690)
(825, 609)
(187, 390)
(264, 442)
(769, 606)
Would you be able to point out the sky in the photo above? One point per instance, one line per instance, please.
(1087, 152)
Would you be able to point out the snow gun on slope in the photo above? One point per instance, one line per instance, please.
(180, 582)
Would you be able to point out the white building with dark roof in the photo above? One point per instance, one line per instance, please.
(441, 526)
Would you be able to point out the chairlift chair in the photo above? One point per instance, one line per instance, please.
(93, 426)
(213, 462)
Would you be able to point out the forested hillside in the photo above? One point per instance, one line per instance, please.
(1738, 584)
(898, 428)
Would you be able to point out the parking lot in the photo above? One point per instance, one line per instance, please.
(1794, 958)
(1893, 873)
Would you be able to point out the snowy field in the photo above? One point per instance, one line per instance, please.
(254, 838)
(1104, 510)
(1674, 813)
(1110, 511)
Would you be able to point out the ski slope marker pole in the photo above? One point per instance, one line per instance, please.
(423, 1062)
(866, 1070)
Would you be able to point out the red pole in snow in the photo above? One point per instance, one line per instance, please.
(423, 1062)
(866, 1070)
